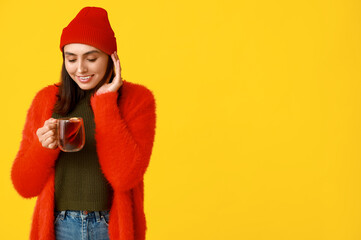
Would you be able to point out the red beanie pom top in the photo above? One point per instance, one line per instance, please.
(90, 26)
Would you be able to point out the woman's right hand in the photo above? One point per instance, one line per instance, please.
(48, 134)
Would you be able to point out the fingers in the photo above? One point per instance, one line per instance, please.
(47, 134)
(48, 138)
(46, 128)
(115, 56)
(50, 143)
(117, 79)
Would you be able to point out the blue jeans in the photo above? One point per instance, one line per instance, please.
(81, 225)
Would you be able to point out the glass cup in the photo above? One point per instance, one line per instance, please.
(71, 134)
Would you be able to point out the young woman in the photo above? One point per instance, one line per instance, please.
(97, 192)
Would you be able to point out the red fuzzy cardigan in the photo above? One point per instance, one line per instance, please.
(124, 134)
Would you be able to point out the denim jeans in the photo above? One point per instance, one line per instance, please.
(81, 225)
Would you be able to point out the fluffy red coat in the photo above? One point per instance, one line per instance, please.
(124, 135)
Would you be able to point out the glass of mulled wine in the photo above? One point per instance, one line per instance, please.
(71, 134)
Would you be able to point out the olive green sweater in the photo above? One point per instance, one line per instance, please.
(79, 182)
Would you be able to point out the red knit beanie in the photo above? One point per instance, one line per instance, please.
(90, 26)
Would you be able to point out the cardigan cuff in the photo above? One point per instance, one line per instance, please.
(103, 101)
(44, 156)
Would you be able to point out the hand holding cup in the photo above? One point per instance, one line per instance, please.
(47, 134)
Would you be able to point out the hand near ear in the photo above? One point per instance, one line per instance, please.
(117, 81)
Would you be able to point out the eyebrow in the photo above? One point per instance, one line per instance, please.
(87, 53)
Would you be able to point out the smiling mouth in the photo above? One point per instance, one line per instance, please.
(84, 79)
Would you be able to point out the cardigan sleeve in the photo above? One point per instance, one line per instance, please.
(33, 163)
(124, 144)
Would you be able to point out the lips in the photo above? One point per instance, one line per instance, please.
(84, 79)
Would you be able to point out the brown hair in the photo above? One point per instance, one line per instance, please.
(70, 93)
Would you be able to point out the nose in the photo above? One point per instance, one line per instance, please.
(82, 68)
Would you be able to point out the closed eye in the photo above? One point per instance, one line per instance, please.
(90, 60)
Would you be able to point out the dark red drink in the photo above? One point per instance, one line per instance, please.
(71, 134)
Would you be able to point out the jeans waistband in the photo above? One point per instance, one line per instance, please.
(82, 214)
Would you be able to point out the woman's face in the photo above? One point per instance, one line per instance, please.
(85, 64)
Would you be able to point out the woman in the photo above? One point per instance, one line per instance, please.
(96, 193)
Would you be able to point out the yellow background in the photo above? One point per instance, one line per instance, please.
(258, 106)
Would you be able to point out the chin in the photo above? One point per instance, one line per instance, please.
(85, 86)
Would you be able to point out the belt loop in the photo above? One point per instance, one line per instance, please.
(97, 216)
(62, 215)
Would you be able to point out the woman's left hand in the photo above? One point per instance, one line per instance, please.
(117, 80)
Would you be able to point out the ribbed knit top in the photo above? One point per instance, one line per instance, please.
(79, 181)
